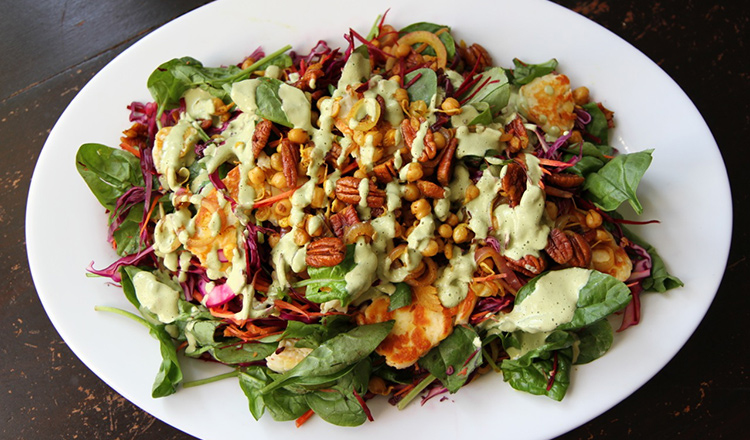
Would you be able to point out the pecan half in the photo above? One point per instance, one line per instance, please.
(519, 137)
(559, 247)
(325, 252)
(557, 192)
(445, 167)
(430, 190)
(385, 172)
(528, 265)
(260, 136)
(514, 183)
(347, 190)
(581, 250)
(564, 180)
(475, 55)
(343, 219)
(289, 161)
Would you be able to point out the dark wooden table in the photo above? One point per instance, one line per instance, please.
(50, 49)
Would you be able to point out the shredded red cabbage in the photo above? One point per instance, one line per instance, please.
(113, 270)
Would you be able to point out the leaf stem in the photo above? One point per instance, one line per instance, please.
(411, 395)
(124, 313)
(195, 383)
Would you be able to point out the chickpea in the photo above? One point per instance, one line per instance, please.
(396, 78)
(284, 222)
(337, 205)
(274, 239)
(402, 50)
(445, 230)
(298, 136)
(360, 174)
(282, 208)
(431, 249)
(401, 95)
(278, 180)
(262, 214)
(461, 233)
(318, 198)
(389, 140)
(257, 176)
(276, 162)
(593, 219)
(301, 237)
(414, 172)
(472, 192)
(448, 250)
(314, 228)
(439, 140)
(451, 106)
(581, 95)
(421, 208)
(452, 220)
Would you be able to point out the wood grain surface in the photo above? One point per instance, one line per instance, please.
(48, 51)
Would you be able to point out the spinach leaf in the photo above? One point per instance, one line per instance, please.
(127, 273)
(601, 296)
(660, 279)
(532, 374)
(585, 166)
(108, 172)
(127, 235)
(593, 341)
(445, 37)
(269, 102)
(525, 73)
(170, 373)
(617, 181)
(492, 88)
(328, 283)
(424, 87)
(338, 404)
(588, 149)
(454, 359)
(598, 126)
(244, 353)
(312, 335)
(336, 354)
(282, 404)
(402, 297)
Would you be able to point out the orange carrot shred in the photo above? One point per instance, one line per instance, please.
(304, 417)
(273, 199)
(150, 212)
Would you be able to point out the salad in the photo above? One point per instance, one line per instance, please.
(397, 218)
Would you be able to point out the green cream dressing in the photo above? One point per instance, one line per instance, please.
(478, 143)
(453, 281)
(156, 297)
(551, 304)
(177, 152)
(480, 208)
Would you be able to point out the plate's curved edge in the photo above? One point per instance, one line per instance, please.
(31, 243)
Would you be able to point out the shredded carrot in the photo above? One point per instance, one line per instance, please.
(553, 163)
(273, 199)
(130, 149)
(150, 212)
(304, 417)
(489, 277)
(351, 167)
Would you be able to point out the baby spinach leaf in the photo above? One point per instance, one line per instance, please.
(598, 127)
(402, 297)
(252, 380)
(525, 73)
(445, 37)
(593, 341)
(243, 353)
(328, 283)
(601, 296)
(338, 404)
(492, 88)
(108, 172)
(269, 102)
(127, 235)
(282, 404)
(617, 181)
(454, 359)
(337, 353)
(127, 273)
(660, 279)
(424, 87)
(312, 335)
(532, 374)
(585, 166)
(170, 373)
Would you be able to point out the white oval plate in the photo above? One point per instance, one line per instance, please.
(66, 228)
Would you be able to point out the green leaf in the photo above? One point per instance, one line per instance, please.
(338, 404)
(170, 373)
(108, 172)
(598, 127)
(593, 341)
(328, 283)
(337, 353)
(492, 88)
(532, 375)
(127, 235)
(660, 279)
(282, 404)
(424, 88)
(618, 180)
(402, 297)
(243, 353)
(127, 273)
(525, 73)
(600, 297)
(445, 37)
(268, 101)
(252, 380)
(455, 358)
